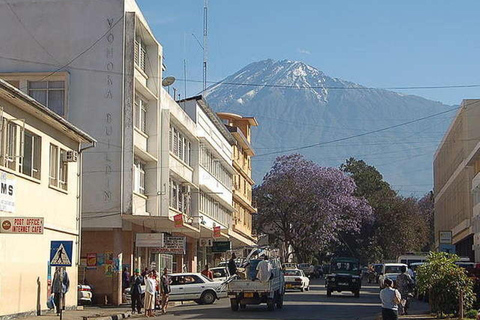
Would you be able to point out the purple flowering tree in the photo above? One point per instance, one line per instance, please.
(304, 206)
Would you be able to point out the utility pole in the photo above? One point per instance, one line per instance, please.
(205, 34)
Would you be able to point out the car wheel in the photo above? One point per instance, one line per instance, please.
(270, 304)
(329, 293)
(357, 294)
(208, 297)
(197, 301)
(243, 306)
(234, 304)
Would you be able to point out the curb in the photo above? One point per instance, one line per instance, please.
(117, 316)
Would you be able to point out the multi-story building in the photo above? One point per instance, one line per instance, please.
(240, 128)
(40, 178)
(214, 175)
(100, 66)
(453, 179)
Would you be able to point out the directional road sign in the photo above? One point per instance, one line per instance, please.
(61, 253)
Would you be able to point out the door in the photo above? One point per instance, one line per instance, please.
(194, 286)
(178, 288)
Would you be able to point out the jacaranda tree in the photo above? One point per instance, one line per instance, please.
(304, 206)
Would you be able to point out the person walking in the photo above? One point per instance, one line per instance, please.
(165, 289)
(150, 285)
(404, 285)
(125, 278)
(136, 282)
(232, 266)
(390, 299)
(207, 273)
(60, 286)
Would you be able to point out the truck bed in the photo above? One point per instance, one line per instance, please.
(242, 285)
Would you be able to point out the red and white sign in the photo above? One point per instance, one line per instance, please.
(216, 232)
(178, 219)
(25, 225)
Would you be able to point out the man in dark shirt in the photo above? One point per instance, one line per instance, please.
(232, 267)
(136, 291)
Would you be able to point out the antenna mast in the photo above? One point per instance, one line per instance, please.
(205, 33)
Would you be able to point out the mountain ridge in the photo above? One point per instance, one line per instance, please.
(298, 105)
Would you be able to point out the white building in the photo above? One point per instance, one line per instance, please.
(40, 179)
(100, 67)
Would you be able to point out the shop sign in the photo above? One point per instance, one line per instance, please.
(91, 259)
(205, 242)
(149, 240)
(172, 245)
(216, 232)
(25, 225)
(221, 246)
(178, 219)
(7, 192)
(445, 237)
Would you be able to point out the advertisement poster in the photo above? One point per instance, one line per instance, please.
(91, 259)
(7, 192)
(108, 257)
(216, 232)
(100, 259)
(178, 220)
(108, 270)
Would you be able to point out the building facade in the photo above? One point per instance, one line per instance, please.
(453, 179)
(241, 227)
(40, 178)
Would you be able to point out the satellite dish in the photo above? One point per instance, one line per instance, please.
(168, 81)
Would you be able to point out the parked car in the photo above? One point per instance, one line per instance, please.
(307, 268)
(84, 294)
(296, 279)
(196, 287)
(344, 275)
(220, 273)
(391, 271)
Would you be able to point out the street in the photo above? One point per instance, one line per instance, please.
(312, 304)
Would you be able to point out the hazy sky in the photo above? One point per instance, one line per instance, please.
(373, 43)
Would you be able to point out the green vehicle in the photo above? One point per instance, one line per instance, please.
(344, 275)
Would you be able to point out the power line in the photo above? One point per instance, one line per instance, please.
(358, 135)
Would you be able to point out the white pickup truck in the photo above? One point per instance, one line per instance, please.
(252, 291)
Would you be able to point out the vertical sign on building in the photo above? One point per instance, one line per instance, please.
(216, 232)
(178, 219)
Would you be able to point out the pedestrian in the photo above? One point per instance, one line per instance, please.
(145, 272)
(264, 269)
(207, 273)
(390, 299)
(165, 289)
(404, 285)
(60, 286)
(136, 282)
(232, 266)
(125, 278)
(150, 285)
(157, 289)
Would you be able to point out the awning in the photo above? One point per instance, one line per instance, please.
(162, 224)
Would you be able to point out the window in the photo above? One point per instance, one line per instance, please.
(179, 145)
(11, 146)
(53, 174)
(140, 53)
(139, 180)
(58, 173)
(31, 162)
(49, 93)
(214, 166)
(140, 113)
(179, 197)
(213, 209)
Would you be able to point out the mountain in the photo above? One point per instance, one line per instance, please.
(301, 109)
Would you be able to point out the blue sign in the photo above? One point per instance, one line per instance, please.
(61, 253)
(448, 248)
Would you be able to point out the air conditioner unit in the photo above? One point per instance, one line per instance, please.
(70, 156)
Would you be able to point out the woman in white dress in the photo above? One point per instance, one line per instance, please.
(150, 284)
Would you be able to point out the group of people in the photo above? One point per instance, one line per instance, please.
(396, 298)
(154, 286)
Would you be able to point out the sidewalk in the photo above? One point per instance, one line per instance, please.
(418, 310)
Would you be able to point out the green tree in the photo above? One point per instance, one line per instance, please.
(444, 280)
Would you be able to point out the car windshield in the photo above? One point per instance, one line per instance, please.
(393, 269)
(294, 273)
(344, 266)
(218, 273)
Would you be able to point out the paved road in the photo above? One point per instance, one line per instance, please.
(313, 304)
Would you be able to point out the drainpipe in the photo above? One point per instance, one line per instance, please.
(79, 195)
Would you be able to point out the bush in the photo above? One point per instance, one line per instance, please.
(443, 280)
(471, 314)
